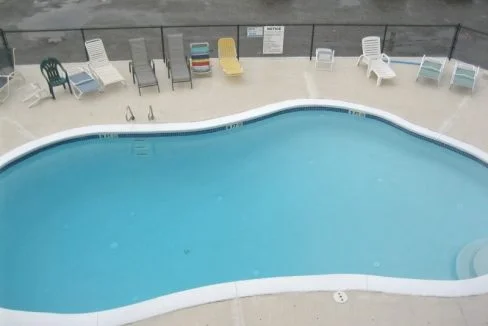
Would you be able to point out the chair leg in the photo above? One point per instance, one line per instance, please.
(51, 90)
(64, 86)
(158, 89)
(139, 91)
(70, 89)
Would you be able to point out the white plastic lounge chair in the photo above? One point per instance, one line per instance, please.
(431, 68)
(323, 57)
(371, 50)
(141, 67)
(7, 72)
(4, 88)
(99, 64)
(381, 69)
(177, 63)
(83, 82)
(464, 75)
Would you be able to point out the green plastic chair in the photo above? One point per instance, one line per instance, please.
(50, 69)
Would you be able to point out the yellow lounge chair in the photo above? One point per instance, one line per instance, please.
(228, 57)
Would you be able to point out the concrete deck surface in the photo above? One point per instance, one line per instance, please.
(319, 309)
(456, 113)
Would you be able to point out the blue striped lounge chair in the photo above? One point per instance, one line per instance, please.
(200, 58)
(83, 82)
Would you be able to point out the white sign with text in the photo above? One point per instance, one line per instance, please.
(273, 39)
(256, 31)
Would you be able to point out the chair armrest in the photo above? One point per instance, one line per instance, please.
(384, 56)
(64, 70)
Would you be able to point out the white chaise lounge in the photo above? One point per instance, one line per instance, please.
(99, 64)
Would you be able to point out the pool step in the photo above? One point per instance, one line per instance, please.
(142, 148)
(466, 258)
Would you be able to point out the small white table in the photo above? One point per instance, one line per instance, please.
(381, 69)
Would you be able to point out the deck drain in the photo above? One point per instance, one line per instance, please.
(340, 297)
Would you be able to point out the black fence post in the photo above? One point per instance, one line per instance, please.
(311, 41)
(4, 38)
(238, 31)
(384, 39)
(162, 44)
(454, 40)
(84, 40)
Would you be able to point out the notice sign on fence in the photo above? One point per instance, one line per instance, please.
(255, 31)
(273, 39)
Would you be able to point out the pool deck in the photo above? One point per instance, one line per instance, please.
(320, 309)
(455, 113)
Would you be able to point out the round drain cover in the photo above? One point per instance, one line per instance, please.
(340, 297)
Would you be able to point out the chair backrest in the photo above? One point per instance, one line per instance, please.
(138, 52)
(7, 61)
(371, 46)
(325, 55)
(49, 68)
(227, 47)
(176, 51)
(432, 64)
(466, 70)
(96, 52)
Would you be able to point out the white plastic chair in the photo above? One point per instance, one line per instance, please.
(324, 56)
(371, 50)
(99, 64)
(464, 75)
(8, 72)
(36, 95)
(431, 68)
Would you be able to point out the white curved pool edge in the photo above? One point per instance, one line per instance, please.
(232, 290)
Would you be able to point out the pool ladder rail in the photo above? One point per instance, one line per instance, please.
(150, 114)
(129, 115)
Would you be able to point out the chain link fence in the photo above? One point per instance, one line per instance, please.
(300, 40)
(472, 47)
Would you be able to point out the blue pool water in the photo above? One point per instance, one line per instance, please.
(97, 224)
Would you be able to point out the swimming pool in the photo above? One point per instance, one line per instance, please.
(100, 223)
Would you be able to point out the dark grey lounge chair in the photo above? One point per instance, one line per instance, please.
(141, 67)
(176, 61)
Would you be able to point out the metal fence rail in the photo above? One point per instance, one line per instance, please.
(301, 40)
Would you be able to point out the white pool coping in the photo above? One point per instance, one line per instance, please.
(231, 290)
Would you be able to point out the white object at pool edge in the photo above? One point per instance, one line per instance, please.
(231, 290)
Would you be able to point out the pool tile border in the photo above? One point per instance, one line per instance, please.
(298, 108)
(226, 291)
